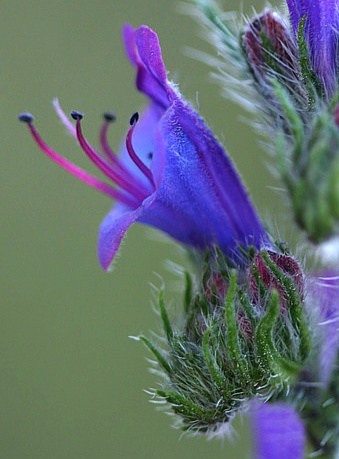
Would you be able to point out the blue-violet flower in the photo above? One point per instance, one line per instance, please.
(171, 174)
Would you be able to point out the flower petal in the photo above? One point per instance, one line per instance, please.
(278, 432)
(143, 144)
(114, 227)
(296, 13)
(201, 187)
(143, 49)
(321, 34)
(199, 198)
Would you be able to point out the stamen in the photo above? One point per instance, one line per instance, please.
(77, 116)
(94, 156)
(73, 169)
(111, 155)
(134, 119)
(135, 158)
(26, 118)
(110, 116)
(108, 119)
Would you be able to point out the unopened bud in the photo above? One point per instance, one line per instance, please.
(266, 272)
(242, 336)
(316, 192)
(271, 52)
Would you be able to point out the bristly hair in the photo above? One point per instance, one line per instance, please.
(231, 70)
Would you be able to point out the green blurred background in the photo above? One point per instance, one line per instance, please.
(71, 380)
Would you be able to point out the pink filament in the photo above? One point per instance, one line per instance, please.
(105, 146)
(135, 158)
(80, 173)
(110, 154)
(126, 183)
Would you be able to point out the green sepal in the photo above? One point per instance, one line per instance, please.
(247, 306)
(181, 404)
(157, 354)
(233, 346)
(312, 83)
(164, 316)
(269, 359)
(188, 292)
(321, 415)
(260, 284)
(307, 149)
(210, 349)
(263, 337)
(293, 121)
(295, 308)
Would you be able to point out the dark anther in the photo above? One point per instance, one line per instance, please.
(109, 116)
(26, 118)
(150, 155)
(134, 118)
(77, 116)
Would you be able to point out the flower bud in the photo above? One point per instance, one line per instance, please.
(311, 173)
(263, 276)
(243, 335)
(271, 52)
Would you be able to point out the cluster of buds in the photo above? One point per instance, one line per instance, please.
(303, 106)
(272, 54)
(288, 68)
(310, 171)
(245, 336)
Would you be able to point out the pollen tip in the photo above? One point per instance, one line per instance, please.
(109, 116)
(77, 116)
(134, 118)
(26, 118)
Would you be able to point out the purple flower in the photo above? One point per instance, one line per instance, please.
(278, 432)
(171, 174)
(321, 35)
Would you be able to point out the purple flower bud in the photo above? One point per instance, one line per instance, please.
(262, 273)
(216, 285)
(270, 49)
